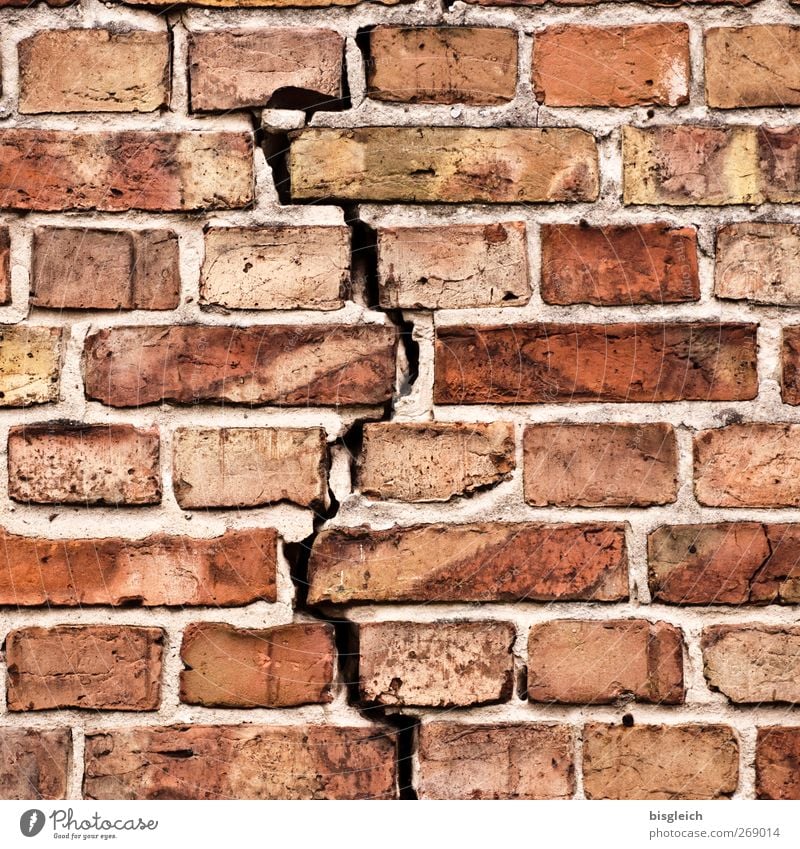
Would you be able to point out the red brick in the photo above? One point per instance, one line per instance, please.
(748, 465)
(619, 265)
(752, 66)
(615, 465)
(599, 662)
(778, 151)
(285, 365)
(434, 461)
(92, 667)
(612, 66)
(54, 170)
(238, 567)
(660, 762)
(725, 563)
(461, 265)
(778, 762)
(481, 562)
(436, 664)
(105, 269)
(34, 764)
(30, 364)
(540, 363)
(442, 64)
(753, 664)
(458, 760)
(276, 268)
(274, 667)
(241, 762)
(249, 467)
(758, 262)
(237, 69)
(64, 463)
(790, 361)
(444, 164)
(93, 70)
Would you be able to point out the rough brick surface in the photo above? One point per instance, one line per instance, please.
(442, 64)
(449, 165)
(612, 66)
(660, 762)
(248, 467)
(105, 667)
(34, 764)
(276, 667)
(30, 364)
(790, 360)
(236, 69)
(618, 465)
(132, 169)
(435, 664)
(619, 265)
(725, 563)
(105, 269)
(434, 462)
(466, 265)
(72, 464)
(752, 664)
(499, 761)
(577, 662)
(748, 465)
(482, 562)
(94, 70)
(235, 568)
(240, 762)
(777, 755)
(539, 363)
(282, 365)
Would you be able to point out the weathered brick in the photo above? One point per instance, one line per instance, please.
(92, 667)
(752, 664)
(436, 664)
(790, 361)
(238, 567)
(5, 266)
(453, 267)
(248, 4)
(237, 69)
(777, 759)
(594, 465)
(30, 364)
(750, 66)
(481, 562)
(64, 463)
(34, 763)
(249, 466)
(660, 762)
(599, 662)
(748, 465)
(275, 667)
(619, 265)
(241, 762)
(473, 65)
(434, 461)
(458, 760)
(541, 363)
(685, 165)
(53, 170)
(284, 365)
(758, 262)
(276, 268)
(93, 70)
(447, 164)
(612, 66)
(778, 150)
(725, 563)
(105, 269)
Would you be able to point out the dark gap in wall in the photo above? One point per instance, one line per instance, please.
(275, 145)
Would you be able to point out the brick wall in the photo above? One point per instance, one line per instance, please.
(399, 400)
